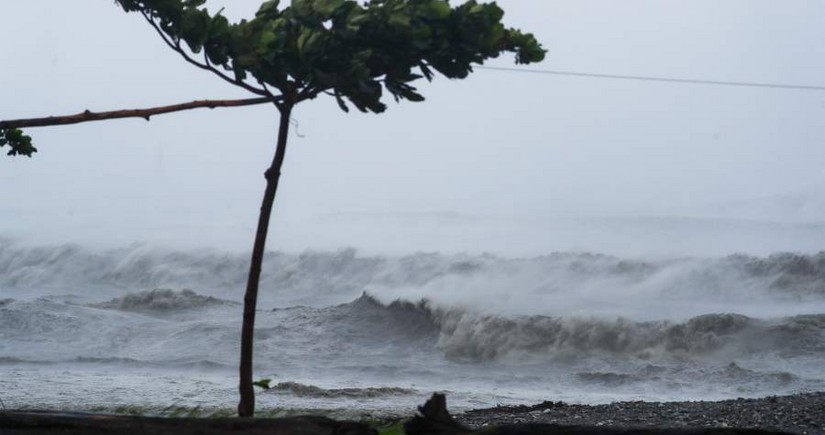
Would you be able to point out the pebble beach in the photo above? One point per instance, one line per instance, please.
(801, 414)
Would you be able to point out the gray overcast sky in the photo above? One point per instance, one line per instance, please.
(498, 145)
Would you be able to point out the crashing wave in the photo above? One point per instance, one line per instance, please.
(302, 278)
(728, 374)
(787, 273)
(302, 390)
(162, 300)
(466, 336)
(399, 317)
(609, 379)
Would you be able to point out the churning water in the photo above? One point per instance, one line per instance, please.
(83, 328)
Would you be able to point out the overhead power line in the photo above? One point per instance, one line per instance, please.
(658, 79)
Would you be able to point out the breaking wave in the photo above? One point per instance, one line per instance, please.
(731, 373)
(487, 337)
(119, 362)
(325, 278)
(465, 335)
(400, 318)
(302, 390)
(786, 272)
(468, 335)
(162, 300)
(426, 321)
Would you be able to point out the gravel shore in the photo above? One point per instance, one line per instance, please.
(802, 413)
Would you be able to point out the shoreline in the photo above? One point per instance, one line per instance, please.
(802, 413)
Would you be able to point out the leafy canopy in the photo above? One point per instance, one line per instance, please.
(342, 47)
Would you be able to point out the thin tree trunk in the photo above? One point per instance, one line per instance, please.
(246, 407)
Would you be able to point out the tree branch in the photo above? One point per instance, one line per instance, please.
(208, 67)
(266, 89)
(88, 116)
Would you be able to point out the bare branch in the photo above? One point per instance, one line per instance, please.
(266, 89)
(88, 116)
(176, 46)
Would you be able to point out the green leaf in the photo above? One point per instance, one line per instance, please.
(400, 19)
(428, 73)
(355, 19)
(238, 71)
(302, 40)
(327, 7)
(194, 28)
(302, 8)
(440, 8)
(268, 37)
(19, 143)
(341, 103)
(268, 7)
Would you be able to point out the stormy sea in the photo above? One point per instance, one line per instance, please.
(141, 326)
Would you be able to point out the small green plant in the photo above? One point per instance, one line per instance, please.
(396, 428)
(263, 383)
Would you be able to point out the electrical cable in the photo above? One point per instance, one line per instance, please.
(658, 79)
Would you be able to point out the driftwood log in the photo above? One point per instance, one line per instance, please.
(434, 419)
(42, 423)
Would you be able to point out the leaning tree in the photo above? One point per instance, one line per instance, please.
(286, 55)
